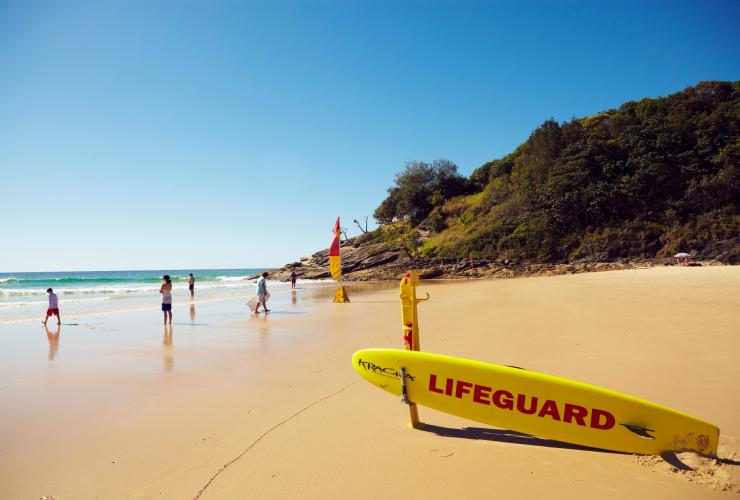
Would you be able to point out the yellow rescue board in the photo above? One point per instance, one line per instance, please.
(536, 403)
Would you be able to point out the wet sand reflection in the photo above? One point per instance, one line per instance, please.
(167, 355)
(53, 341)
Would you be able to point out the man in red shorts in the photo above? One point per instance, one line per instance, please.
(53, 307)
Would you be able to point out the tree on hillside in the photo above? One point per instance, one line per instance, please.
(538, 154)
(483, 175)
(419, 188)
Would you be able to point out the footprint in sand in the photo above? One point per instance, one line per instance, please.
(721, 474)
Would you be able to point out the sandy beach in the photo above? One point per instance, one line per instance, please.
(236, 406)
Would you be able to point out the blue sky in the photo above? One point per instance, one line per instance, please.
(194, 134)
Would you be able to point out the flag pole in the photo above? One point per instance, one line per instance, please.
(340, 295)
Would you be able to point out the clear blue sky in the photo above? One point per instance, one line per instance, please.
(191, 134)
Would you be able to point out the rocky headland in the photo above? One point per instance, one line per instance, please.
(624, 188)
(378, 262)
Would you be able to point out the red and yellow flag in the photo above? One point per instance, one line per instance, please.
(335, 265)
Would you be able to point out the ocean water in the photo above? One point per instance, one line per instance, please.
(23, 295)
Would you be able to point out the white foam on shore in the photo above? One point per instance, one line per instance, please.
(25, 304)
(29, 316)
(43, 302)
(105, 299)
(233, 278)
(13, 292)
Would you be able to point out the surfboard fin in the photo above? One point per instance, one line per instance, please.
(640, 431)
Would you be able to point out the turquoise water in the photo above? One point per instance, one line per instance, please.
(18, 284)
(23, 295)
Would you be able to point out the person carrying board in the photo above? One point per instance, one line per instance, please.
(262, 293)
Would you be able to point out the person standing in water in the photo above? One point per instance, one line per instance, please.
(166, 291)
(262, 293)
(293, 277)
(53, 309)
(191, 285)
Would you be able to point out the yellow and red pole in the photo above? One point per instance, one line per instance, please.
(410, 323)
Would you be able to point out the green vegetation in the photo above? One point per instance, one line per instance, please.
(649, 179)
(419, 188)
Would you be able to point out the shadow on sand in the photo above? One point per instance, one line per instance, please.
(676, 462)
(504, 436)
(728, 461)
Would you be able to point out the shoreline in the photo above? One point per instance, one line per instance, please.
(88, 302)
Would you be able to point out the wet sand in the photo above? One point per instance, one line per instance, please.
(229, 405)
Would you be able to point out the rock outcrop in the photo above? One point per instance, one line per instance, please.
(360, 262)
(378, 261)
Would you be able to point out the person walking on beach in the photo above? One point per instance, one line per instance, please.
(293, 277)
(166, 291)
(262, 293)
(191, 285)
(53, 309)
